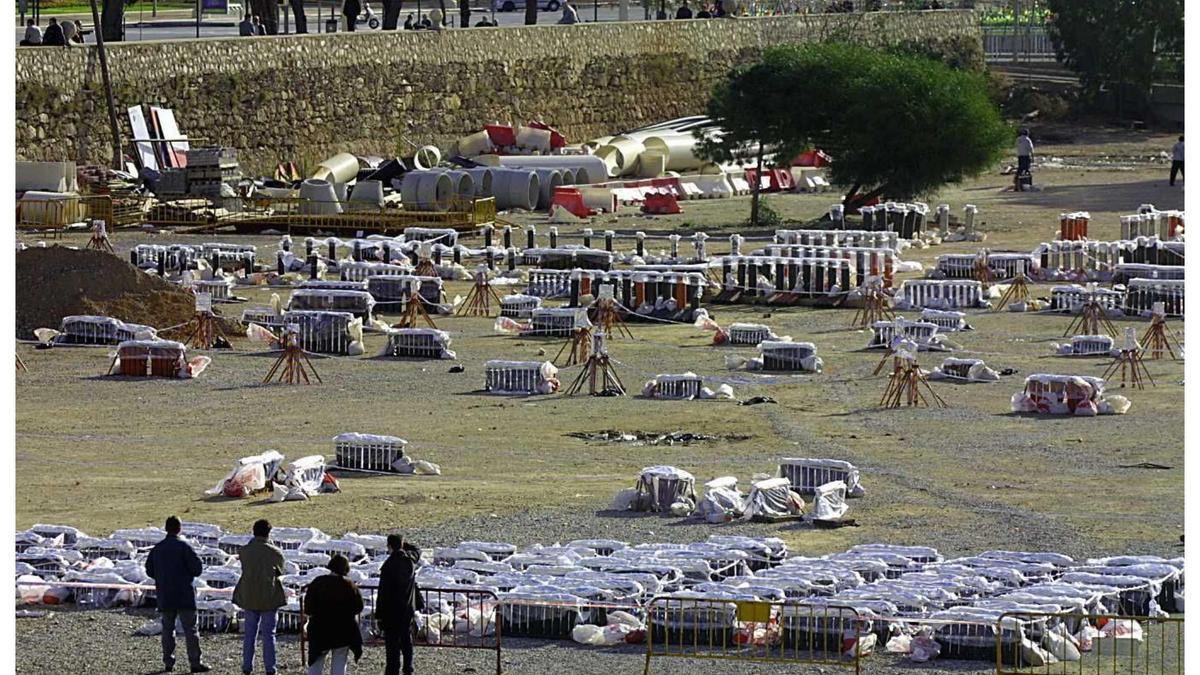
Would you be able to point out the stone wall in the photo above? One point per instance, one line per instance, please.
(306, 97)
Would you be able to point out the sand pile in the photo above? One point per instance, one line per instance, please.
(54, 282)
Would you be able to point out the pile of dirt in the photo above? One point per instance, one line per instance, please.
(55, 281)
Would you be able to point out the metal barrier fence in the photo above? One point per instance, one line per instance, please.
(468, 619)
(1147, 646)
(1025, 42)
(57, 213)
(297, 215)
(754, 631)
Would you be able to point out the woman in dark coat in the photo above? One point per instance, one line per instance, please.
(332, 604)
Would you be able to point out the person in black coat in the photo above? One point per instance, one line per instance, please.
(54, 36)
(332, 604)
(397, 603)
(391, 14)
(173, 565)
(351, 9)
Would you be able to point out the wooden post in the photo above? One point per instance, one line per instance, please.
(108, 92)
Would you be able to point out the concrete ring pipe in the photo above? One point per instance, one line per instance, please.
(515, 188)
(482, 177)
(318, 198)
(426, 190)
(596, 167)
(568, 176)
(340, 168)
(464, 183)
(367, 193)
(548, 179)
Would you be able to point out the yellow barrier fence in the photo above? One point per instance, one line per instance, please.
(755, 631)
(1033, 643)
(57, 213)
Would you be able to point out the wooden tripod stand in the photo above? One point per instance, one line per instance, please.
(203, 330)
(1130, 364)
(598, 370)
(1017, 291)
(414, 312)
(1091, 320)
(21, 364)
(580, 344)
(99, 240)
(293, 365)
(908, 386)
(479, 300)
(875, 307)
(606, 315)
(1159, 339)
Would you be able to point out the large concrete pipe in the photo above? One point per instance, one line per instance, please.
(568, 176)
(679, 149)
(624, 152)
(594, 168)
(482, 177)
(548, 179)
(426, 190)
(464, 183)
(515, 188)
(318, 198)
(341, 168)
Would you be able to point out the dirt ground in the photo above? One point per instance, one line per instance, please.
(101, 453)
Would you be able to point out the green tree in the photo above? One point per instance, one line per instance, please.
(897, 125)
(1116, 41)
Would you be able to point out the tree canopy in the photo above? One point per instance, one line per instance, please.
(1123, 41)
(897, 125)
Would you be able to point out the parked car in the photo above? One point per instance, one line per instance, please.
(513, 5)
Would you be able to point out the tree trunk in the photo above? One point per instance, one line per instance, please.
(755, 187)
(848, 199)
(464, 13)
(531, 11)
(112, 21)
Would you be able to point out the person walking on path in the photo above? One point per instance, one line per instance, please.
(1024, 152)
(397, 603)
(173, 564)
(332, 604)
(259, 593)
(1177, 160)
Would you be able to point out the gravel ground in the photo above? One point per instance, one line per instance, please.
(101, 642)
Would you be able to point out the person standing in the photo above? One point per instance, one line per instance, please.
(1024, 152)
(351, 9)
(1177, 160)
(260, 595)
(33, 35)
(684, 12)
(332, 604)
(54, 35)
(246, 27)
(397, 603)
(391, 14)
(259, 28)
(173, 564)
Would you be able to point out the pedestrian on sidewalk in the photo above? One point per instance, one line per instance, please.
(174, 565)
(332, 604)
(68, 29)
(259, 593)
(1177, 160)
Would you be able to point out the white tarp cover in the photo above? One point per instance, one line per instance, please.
(773, 498)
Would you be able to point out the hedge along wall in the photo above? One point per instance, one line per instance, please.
(306, 97)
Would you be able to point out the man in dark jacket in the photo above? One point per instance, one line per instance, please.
(173, 564)
(351, 9)
(54, 36)
(397, 603)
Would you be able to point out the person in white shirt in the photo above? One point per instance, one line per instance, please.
(33, 35)
(1177, 160)
(569, 15)
(1024, 152)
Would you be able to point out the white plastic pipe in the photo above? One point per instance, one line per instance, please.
(679, 149)
(340, 168)
(624, 151)
(536, 139)
(426, 157)
(475, 144)
(651, 164)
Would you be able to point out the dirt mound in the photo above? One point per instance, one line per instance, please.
(54, 282)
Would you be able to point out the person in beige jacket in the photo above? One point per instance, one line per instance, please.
(260, 595)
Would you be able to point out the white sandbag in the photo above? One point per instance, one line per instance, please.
(625, 499)
(31, 594)
(1060, 644)
(278, 493)
(681, 509)
(153, 627)
(586, 634)
(424, 468)
(624, 618)
(1034, 655)
(899, 644)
